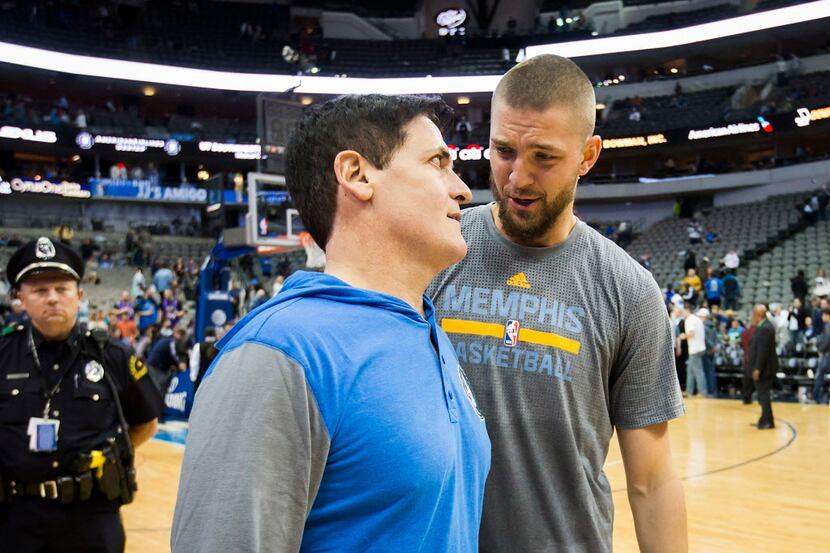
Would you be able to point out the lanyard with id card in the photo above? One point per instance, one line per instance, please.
(43, 434)
(43, 431)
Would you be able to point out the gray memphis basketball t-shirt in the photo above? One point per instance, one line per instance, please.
(560, 345)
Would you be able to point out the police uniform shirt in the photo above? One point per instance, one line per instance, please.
(83, 401)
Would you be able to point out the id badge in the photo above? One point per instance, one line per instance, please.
(43, 434)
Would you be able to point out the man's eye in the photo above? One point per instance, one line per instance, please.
(504, 151)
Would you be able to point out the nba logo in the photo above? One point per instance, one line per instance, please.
(511, 333)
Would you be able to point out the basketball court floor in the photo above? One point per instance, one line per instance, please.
(746, 490)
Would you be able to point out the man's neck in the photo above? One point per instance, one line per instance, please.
(55, 335)
(390, 272)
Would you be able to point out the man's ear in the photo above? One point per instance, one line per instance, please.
(350, 171)
(590, 154)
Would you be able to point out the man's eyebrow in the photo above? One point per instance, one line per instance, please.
(442, 151)
(535, 145)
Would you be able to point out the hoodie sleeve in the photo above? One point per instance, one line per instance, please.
(256, 451)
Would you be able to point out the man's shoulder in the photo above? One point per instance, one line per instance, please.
(11, 336)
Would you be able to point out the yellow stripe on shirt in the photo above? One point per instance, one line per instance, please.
(494, 330)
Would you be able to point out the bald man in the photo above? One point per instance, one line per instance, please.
(763, 362)
(565, 338)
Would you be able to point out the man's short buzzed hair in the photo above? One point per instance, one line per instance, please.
(548, 80)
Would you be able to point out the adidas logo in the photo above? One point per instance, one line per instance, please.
(519, 281)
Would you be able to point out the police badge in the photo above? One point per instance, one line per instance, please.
(44, 249)
(94, 371)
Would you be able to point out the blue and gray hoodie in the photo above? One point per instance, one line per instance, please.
(333, 419)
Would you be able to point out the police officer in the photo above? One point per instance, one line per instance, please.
(72, 408)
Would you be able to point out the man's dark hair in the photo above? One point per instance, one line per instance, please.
(826, 311)
(372, 125)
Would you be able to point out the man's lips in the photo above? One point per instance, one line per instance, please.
(522, 202)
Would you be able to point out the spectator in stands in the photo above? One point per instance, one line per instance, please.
(167, 357)
(731, 260)
(808, 211)
(714, 288)
(463, 127)
(821, 286)
(624, 236)
(823, 347)
(645, 260)
(795, 323)
(823, 201)
(810, 333)
(171, 308)
(105, 261)
(695, 335)
(731, 291)
(711, 338)
(635, 114)
(124, 306)
(695, 231)
(145, 341)
(820, 304)
(693, 280)
(88, 249)
(703, 269)
(798, 285)
(18, 315)
(735, 331)
(128, 328)
(689, 261)
(681, 346)
(780, 320)
(138, 284)
(148, 310)
(163, 279)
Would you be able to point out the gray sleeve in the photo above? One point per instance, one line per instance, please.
(255, 454)
(644, 389)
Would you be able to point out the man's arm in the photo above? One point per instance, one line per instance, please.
(255, 457)
(654, 489)
(140, 433)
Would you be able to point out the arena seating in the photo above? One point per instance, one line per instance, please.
(751, 228)
(684, 19)
(658, 113)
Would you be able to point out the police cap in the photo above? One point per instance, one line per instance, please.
(43, 255)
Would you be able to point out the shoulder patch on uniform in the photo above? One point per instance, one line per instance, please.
(11, 329)
(137, 368)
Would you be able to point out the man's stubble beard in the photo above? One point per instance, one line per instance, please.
(526, 229)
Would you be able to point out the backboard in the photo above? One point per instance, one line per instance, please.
(272, 221)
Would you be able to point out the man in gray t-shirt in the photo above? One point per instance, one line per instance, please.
(564, 337)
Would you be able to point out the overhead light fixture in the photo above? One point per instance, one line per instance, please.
(600, 106)
(673, 70)
(203, 174)
(149, 91)
(463, 100)
(306, 100)
(261, 82)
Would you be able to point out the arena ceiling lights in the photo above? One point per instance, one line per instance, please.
(687, 35)
(257, 82)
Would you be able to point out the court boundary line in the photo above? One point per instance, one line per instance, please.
(793, 436)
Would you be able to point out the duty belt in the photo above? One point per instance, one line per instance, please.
(63, 489)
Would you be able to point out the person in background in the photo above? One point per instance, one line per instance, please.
(763, 363)
(823, 347)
